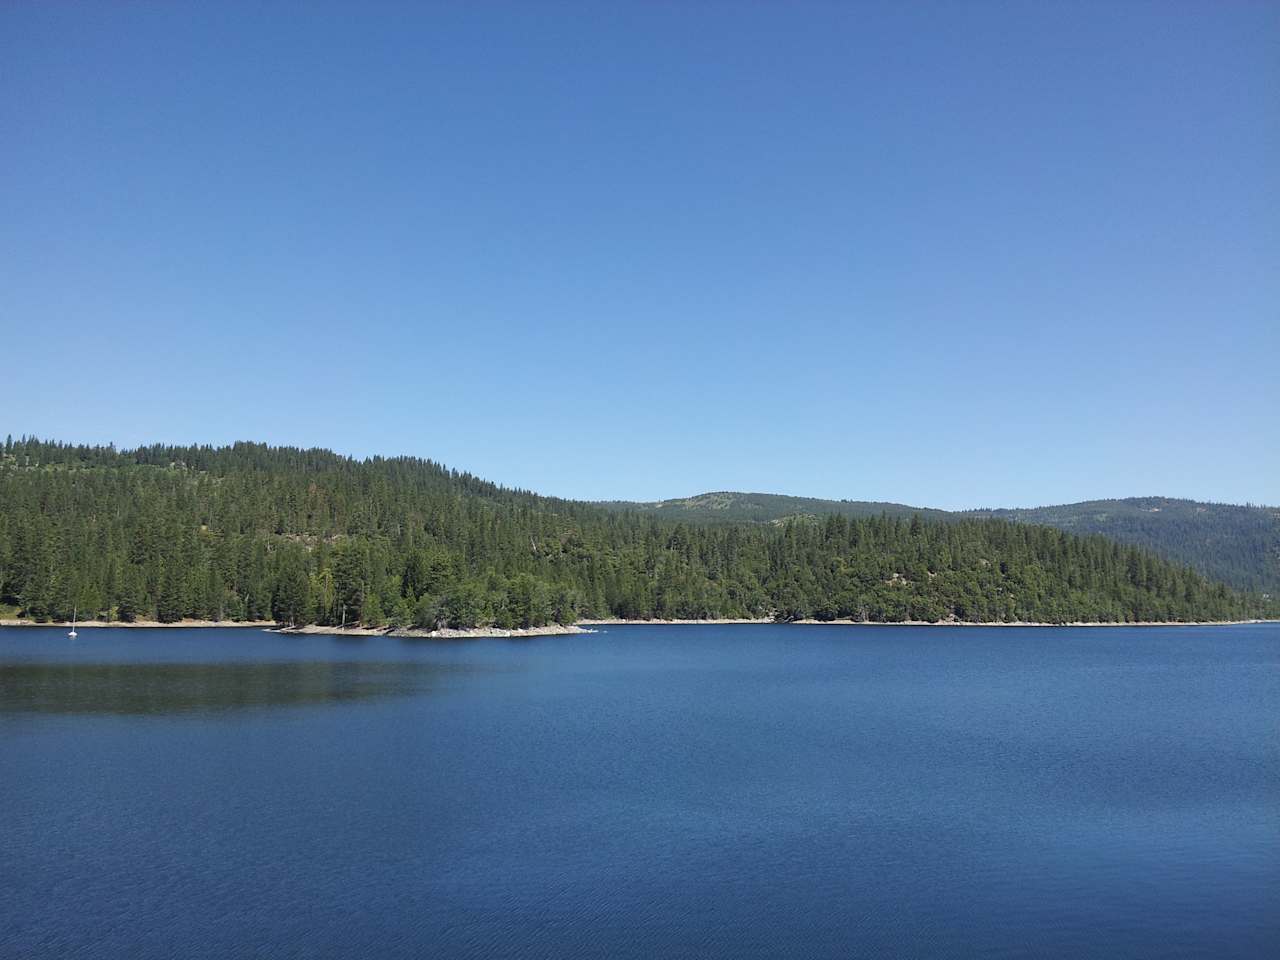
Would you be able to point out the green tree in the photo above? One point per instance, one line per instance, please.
(371, 614)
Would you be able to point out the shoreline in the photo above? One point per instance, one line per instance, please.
(1032, 622)
(271, 626)
(618, 621)
(589, 626)
(444, 633)
(615, 622)
(140, 624)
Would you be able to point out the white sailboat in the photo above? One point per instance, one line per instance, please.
(73, 634)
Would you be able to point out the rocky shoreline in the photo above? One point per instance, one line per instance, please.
(444, 633)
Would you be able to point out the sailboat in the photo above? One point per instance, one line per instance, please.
(73, 634)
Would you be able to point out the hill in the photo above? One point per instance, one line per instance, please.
(1237, 545)
(726, 506)
(249, 532)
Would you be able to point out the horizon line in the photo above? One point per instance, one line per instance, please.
(366, 458)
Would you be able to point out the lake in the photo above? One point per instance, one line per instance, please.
(646, 791)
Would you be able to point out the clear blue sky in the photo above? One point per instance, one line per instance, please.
(952, 254)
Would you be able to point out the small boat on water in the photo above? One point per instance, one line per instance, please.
(73, 633)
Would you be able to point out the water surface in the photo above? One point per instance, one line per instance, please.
(687, 791)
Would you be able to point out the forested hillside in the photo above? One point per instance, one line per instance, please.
(727, 506)
(1238, 545)
(254, 532)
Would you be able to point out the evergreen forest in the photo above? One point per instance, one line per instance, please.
(250, 532)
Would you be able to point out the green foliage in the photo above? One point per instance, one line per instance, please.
(291, 598)
(305, 536)
(1238, 545)
(371, 611)
(729, 506)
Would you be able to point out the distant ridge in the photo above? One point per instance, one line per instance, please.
(1238, 545)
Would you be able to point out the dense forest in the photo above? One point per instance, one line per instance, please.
(252, 532)
(1238, 545)
(728, 506)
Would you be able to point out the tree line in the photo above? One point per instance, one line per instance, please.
(252, 532)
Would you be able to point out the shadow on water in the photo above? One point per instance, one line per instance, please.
(163, 688)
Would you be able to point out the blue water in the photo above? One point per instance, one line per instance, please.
(700, 791)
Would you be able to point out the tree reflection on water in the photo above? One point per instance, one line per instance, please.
(160, 688)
